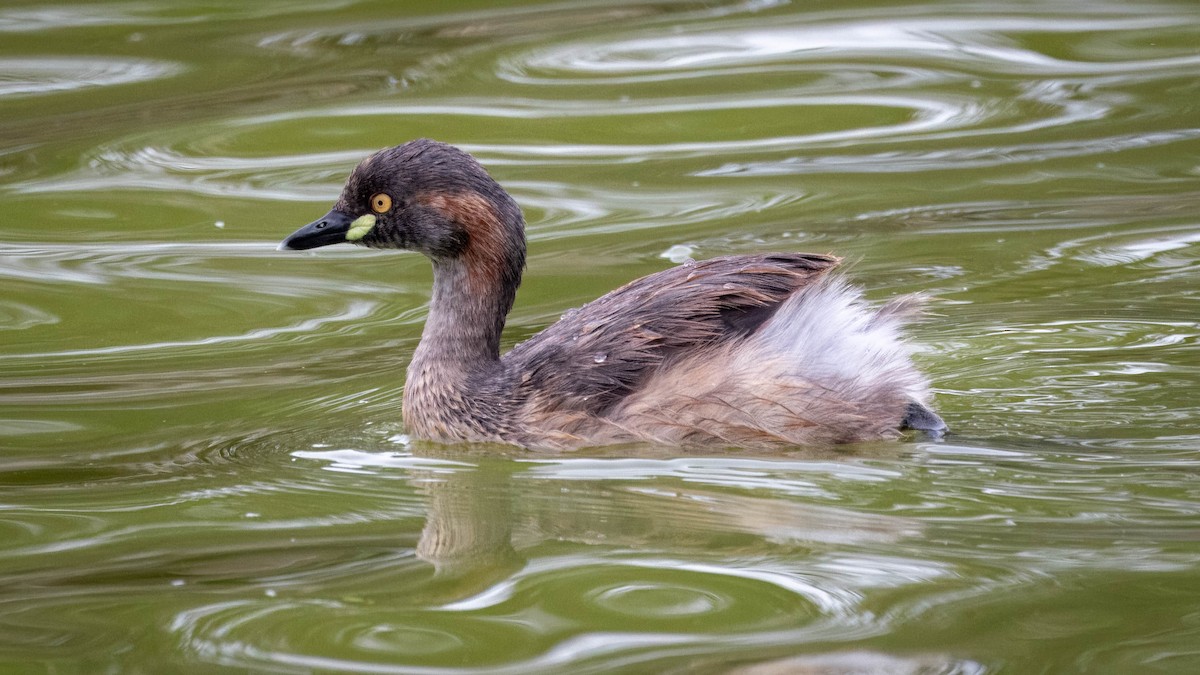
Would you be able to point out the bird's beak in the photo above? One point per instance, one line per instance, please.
(330, 228)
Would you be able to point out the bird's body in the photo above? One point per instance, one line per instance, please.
(746, 350)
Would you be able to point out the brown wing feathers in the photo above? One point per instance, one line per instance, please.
(602, 353)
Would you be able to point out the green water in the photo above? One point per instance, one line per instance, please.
(202, 462)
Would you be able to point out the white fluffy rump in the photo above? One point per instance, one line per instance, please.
(830, 336)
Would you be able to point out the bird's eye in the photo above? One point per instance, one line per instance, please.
(381, 203)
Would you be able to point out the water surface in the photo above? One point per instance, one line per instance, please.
(201, 450)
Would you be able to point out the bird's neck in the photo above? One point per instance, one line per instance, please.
(474, 290)
(454, 388)
(466, 317)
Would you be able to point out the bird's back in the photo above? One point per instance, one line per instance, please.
(744, 350)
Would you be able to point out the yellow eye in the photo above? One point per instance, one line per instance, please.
(381, 203)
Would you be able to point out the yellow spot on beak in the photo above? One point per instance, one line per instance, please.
(360, 227)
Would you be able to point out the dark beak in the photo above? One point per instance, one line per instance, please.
(331, 228)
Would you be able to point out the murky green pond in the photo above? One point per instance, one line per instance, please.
(202, 461)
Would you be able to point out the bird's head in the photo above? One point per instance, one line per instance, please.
(423, 196)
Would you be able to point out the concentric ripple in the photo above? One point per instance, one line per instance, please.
(257, 632)
(667, 602)
(970, 42)
(31, 77)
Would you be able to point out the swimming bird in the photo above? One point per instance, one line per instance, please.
(770, 349)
